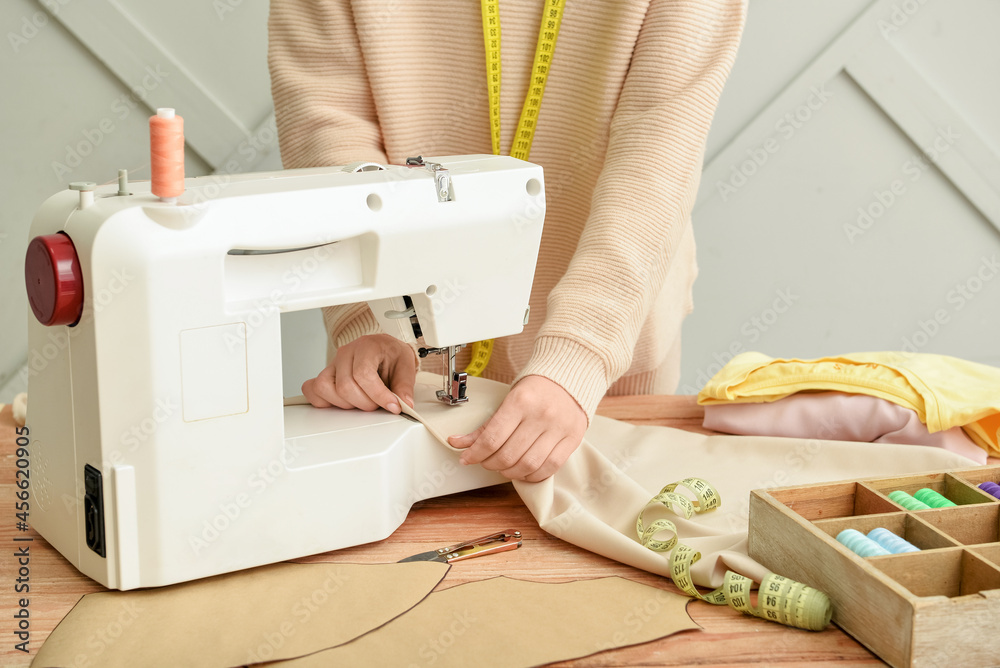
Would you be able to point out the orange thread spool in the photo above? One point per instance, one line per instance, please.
(166, 154)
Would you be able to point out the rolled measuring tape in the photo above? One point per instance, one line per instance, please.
(779, 599)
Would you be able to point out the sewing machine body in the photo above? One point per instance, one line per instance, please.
(169, 386)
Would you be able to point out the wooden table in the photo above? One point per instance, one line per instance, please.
(728, 638)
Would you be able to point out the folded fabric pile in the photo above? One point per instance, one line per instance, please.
(887, 397)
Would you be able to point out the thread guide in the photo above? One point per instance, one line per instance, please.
(947, 595)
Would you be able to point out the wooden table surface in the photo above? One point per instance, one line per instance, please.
(727, 639)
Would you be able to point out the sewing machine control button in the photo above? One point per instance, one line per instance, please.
(54, 280)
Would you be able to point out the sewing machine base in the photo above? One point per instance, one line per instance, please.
(339, 479)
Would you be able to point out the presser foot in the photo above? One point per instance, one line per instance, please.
(455, 394)
(455, 382)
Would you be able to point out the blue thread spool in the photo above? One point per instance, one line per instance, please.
(933, 499)
(891, 541)
(907, 501)
(990, 488)
(859, 544)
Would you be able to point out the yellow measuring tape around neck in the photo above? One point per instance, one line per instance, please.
(548, 32)
(778, 600)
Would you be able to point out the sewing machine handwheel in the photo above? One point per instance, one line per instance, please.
(54, 280)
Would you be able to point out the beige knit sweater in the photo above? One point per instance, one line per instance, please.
(621, 134)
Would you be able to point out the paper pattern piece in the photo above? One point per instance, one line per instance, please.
(273, 612)
(592, 501)
(511, 623)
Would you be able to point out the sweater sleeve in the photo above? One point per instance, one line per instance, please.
(324, 109)
(643, 198)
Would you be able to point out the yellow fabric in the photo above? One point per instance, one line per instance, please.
(944, 391)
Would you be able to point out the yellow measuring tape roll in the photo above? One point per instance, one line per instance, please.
(778, 598)
(548, 33)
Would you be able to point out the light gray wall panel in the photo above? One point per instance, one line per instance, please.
(222, 44)
(955, 46)
(780, 38)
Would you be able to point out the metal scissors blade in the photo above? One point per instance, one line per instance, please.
(500, 541)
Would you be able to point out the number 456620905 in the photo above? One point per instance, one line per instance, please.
(21, 476)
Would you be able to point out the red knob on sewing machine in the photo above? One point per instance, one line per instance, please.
(54, 281)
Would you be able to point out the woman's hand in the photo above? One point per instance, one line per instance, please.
(532, 434)
(365, 374)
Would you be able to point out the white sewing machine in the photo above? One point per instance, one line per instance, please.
(160, 449)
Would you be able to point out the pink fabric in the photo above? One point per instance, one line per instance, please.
(837, 416)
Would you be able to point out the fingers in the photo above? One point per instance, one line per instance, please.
(321, 391)
(348, 385)
(491, 436)
(362, 373)
(403, 378)
(524, 452)
(553, 462)
(367, 387)
(466, 440)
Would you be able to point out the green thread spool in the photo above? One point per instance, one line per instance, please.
(907, 501)
(933, 499)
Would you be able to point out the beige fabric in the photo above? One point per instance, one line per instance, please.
(272, 612)
(511, 623)
(628, 105)
(593, 500)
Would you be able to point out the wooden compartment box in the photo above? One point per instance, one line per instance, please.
(936, 607)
